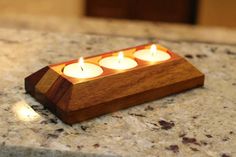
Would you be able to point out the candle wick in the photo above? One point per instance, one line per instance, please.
(81, 63)
(82, 68)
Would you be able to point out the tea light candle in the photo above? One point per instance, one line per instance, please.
(118, 62)
(82, 70)
(152, 54)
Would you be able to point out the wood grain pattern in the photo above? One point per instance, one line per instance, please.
(74, 100)
(128, 101)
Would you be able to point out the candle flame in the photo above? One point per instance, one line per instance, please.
(120, 56)
(81, 63)
(153, 49)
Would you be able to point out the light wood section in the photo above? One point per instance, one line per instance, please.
(62, 8)
(47, 81)
(217, 13)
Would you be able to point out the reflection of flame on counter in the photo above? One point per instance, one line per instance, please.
(24, 112)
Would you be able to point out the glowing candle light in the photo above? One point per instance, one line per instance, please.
(120, 57)
(119, 62)
(82, 69)
(153, 50)
(152, 54)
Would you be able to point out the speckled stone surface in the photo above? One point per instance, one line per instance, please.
(200, 122)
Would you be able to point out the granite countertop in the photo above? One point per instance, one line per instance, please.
(199, 122)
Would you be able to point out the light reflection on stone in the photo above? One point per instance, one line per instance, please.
(24, 112)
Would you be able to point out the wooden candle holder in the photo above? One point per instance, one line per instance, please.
(75, 100)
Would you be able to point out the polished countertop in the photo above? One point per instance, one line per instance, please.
(199, 122)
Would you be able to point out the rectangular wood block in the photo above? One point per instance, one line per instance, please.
(75, 100)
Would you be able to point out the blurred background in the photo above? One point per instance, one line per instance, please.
(199, 12)
(187, 20)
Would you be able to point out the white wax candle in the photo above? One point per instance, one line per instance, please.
(118, 62)
(152, 54)
(82, 70)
